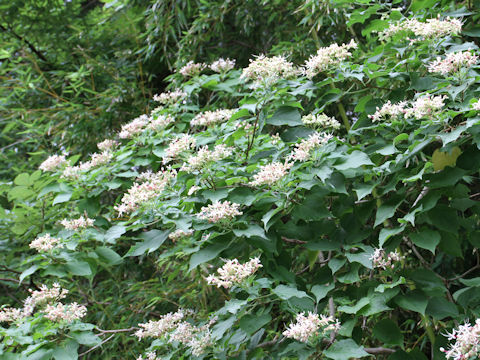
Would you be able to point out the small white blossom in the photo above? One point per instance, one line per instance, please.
(270, 174)
(385, 261)
(321, 121)
(234, 273)
(453, 62)
(476, 105)
(425, 106)
(75, 224)
(327, 57)
(178, 146)
(170, 97)
(193, 190)
(303, 150)
(161, 122)
(191, 69)
(45, 243)
(267, 71)
(389, 111)
(68, 313)
(205, 157)
(219, 211)
(134, 127)
(107, 145)
(53, 163)
(179, 234)
(209, 118)
(308, 326)
(467, 342)
(222, 65)
(432, 28)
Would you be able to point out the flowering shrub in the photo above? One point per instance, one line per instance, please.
(288, 234)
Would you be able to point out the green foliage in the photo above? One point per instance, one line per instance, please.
(376, 225)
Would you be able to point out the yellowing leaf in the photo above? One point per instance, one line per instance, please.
(442, 159)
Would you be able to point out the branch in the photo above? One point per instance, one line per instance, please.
(379, 350)
(293, 241)
(96, 346)
(28, 43)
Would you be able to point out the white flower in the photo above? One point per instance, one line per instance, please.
(467, 342)
(234, 273)
(170, 97)
(453, 62)
(45, 243)
(219, 211)
(179, 234)
(270, 174)
(476, 105)
(426, 106)
(61, 312)
(193, 189)
(222, 65)
(53, 162)
(142, 192)
(267, 71)
(209, 118)
(385, 261)
(178, 146)
(71, 172)
(303, 150)
(308, 326)
(81, 223)
(107, 145)
(134, 127)
(432, 28)
(160, 122)
(191, 69)
(389, 111)
(327, 57)
(321, 121)
(205, 156)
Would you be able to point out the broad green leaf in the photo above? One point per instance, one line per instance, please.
(114, 233)
(153, 239)
(388, 332)
(321, 291)
(285, 115)
(80, 268)
(206, 254)
(251, 323)
(344, 350)
(426, 239)
(354, 160)
(286, 292)
(413, 301)
(108, 255)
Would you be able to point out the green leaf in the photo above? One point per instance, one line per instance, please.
(67, 352)
(354, 308)
(345, 350)
(386, 211)
(440, 308)
(286, 292)
(321, 291)
(413, 301)
(23, 179)
(61, 198)
(387, 233)
(206, 254)
(80, 268)
(86, 338)
(114, 233)
(153, 239)
(251, 231)
(285, 115)
(251, 323)
(28, 272)
(442, 159)
(388, 332)
(354, 161)
(108, 255)
(426, 239)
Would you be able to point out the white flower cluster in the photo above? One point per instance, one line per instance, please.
(65, 312)
(389, 111)
(150, 186)
(170, 97)
(269, 70)
(75, 224)
(453, 62)
(467, 342)
(107, 145)
(149, 356)
(476, 105)
(320, 121)
(219, 211)
(134, 127)
(45, 243)
(191, 69)
(53, 162)
(433, 28)
(175, 329)
(327, 57)
(205, 156)
(303, 150)
(424, 106)
(385, 261)
(54, 310)
(270, 174)
(222, 65)
(308, 326)
(178, 146)
(234, 273)
(160, 122)
(209, 118)
(179, 234)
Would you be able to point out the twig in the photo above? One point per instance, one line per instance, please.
(293, 241)
(116, 330)
(379, 350)
(96, 346)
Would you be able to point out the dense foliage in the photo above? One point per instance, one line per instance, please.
(321, 204)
